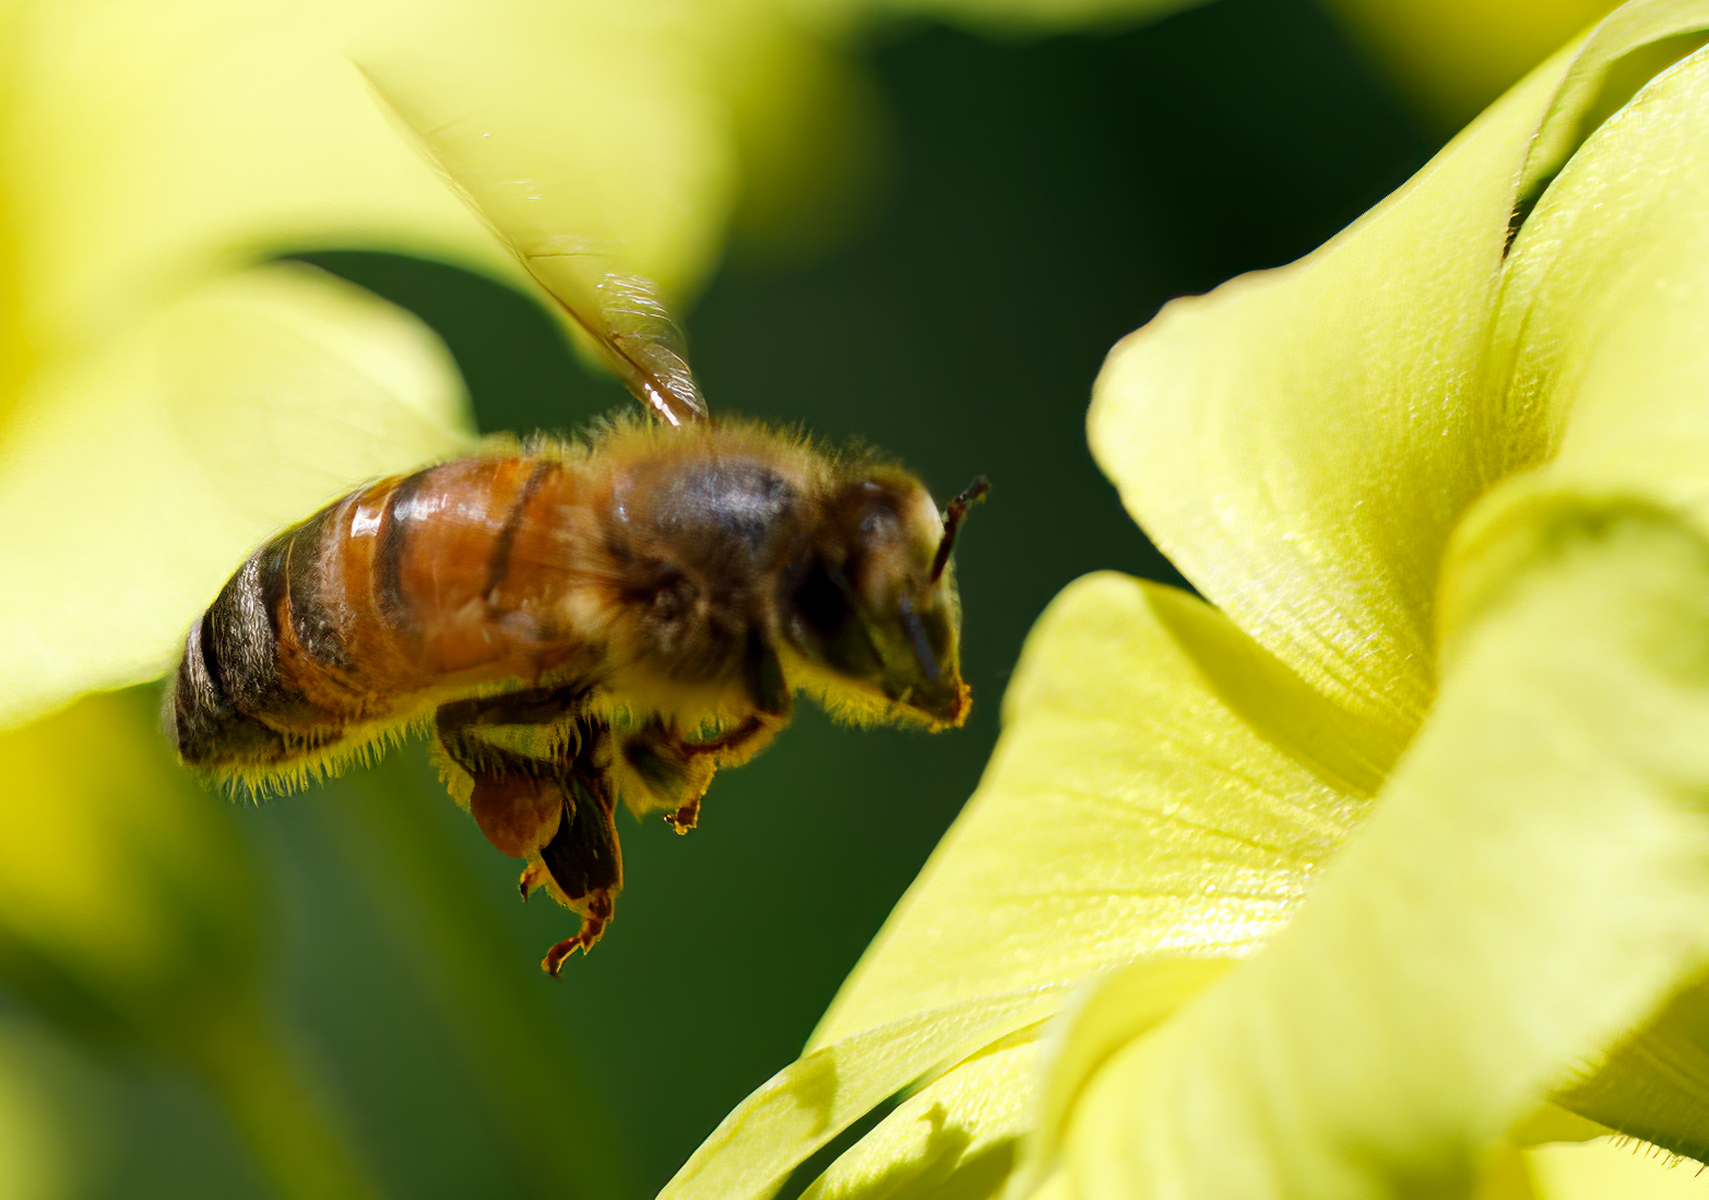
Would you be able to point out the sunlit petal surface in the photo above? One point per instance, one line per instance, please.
(955, 1137)
(1297, 441)
(1602, 350)
(1308, 445)
(1171, 788)
(1395, 1029)
(135, 481)
(809, 1102)
(1135, 804)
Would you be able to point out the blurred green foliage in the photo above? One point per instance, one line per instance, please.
(1041, 199)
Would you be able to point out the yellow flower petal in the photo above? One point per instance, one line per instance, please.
(1607, 1170)
(151, 144)
(123, 893)
(959, 1134)
(51, 1146)
(1454, 56)
(811, 1101)
(1602, 349)
(955, 1137)
(133, 485)
(1634, 43)
(1296, 441)
(127, 910)
(1302, 442)
(1656, 1083)
(1161, 786)
(1125, 1006)
(1033, 16)
(1531, 885)
(1505, 1175)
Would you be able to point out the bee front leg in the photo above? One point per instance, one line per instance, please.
(667, 772)
(674, 773)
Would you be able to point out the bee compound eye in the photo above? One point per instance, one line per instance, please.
(820, 601)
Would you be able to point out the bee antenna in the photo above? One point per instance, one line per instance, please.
(954, 514)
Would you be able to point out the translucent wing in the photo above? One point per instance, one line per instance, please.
(626, 318)
(530, 188)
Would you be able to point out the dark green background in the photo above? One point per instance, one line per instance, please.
(1043, 199)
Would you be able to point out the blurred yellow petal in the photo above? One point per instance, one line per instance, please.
(124, 898)
(1505, 1175)
(1161, 786)
(149, 145)
(1531, 884)
(1609, 1170)
(127, 912)
(55, 1134)
(1014, 17)
(133, 483)
(1452, 57)
(588, 126)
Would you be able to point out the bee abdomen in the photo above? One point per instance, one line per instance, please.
(347, 620)
(232, 695)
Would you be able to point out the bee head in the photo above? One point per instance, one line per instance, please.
(875, 603)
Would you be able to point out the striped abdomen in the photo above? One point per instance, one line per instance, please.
(407, 591)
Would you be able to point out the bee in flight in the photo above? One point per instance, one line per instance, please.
(585, 623)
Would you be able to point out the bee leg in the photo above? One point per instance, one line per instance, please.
(762, 675)
(675, 773)
(584, 859)
(533, 875)
(670, 772)
(594, 921)
(737, 745)
(686, 817)
(516, 799)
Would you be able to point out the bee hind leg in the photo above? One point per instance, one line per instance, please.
(594, 920)
(517, 799)
(583, 862)
(533, 877)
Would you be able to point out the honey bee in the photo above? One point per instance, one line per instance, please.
(582, 623)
